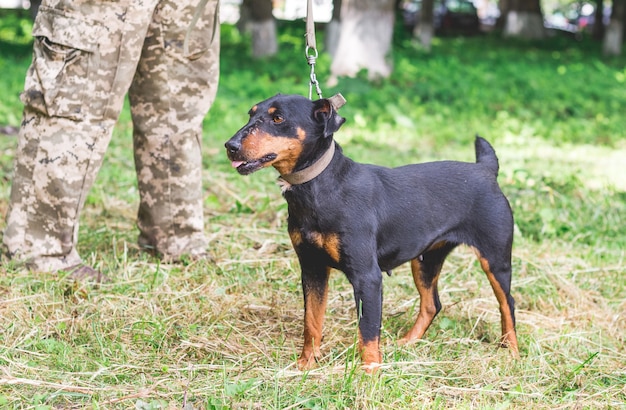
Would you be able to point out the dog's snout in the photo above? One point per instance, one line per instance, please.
(233, 146)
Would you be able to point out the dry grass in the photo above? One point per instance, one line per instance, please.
(226, 334)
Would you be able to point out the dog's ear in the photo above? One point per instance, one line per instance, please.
(324, 113)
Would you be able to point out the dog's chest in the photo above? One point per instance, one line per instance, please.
(311, 234)
(328, 243)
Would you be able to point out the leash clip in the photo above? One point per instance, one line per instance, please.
(311, 58)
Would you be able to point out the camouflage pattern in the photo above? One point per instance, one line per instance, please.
(87, 55)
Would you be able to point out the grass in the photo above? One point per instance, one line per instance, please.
(226, 334)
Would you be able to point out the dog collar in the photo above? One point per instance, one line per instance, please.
(309, 173)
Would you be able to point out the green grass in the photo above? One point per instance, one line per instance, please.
(226, 334)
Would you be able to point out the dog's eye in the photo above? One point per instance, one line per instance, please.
(277, 119)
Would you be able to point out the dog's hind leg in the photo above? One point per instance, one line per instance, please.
(498, 270)
(426, 269)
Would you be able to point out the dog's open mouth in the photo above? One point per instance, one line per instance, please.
(248, 167)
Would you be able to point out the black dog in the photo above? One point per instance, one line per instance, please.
(366, 219)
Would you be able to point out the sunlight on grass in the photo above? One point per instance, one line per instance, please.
(598, 167)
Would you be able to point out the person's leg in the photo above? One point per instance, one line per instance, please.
(73, 94)
(170, 96)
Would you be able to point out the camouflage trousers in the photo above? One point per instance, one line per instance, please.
(88, 54)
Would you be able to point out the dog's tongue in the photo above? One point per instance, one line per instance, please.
(236, 164)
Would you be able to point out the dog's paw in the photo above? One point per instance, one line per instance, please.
(407, 340)
(371, 367)
(308, 360)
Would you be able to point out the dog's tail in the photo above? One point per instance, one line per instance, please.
(486, 155)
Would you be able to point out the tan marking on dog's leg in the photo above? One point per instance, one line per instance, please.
(314, 312)
(509, 337)
(371, 356)
(428, 309)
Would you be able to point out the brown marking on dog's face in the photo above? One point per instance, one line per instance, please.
(264, 149)
(276, 132)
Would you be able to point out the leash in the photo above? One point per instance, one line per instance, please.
(337, 101)
(310, 52)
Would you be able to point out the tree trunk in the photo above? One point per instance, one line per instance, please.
(365, 38)
(262, 26)
(598, 25)
(614, 35)
(504, 6)
(425, 29)
(333, 29)
(524, 20)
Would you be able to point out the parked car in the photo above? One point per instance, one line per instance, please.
(32, 5)
(449, 16)
(576, 17)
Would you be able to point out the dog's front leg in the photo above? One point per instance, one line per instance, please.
(315, 291)
(368, 295)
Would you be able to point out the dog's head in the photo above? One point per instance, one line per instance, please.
(284, 131)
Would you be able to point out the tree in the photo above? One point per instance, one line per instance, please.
(598, 17)
(426, 28)
(262, 26)
(614, 33)
(333, 29)
(524, 19)
(365, 38)
(504, 6)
